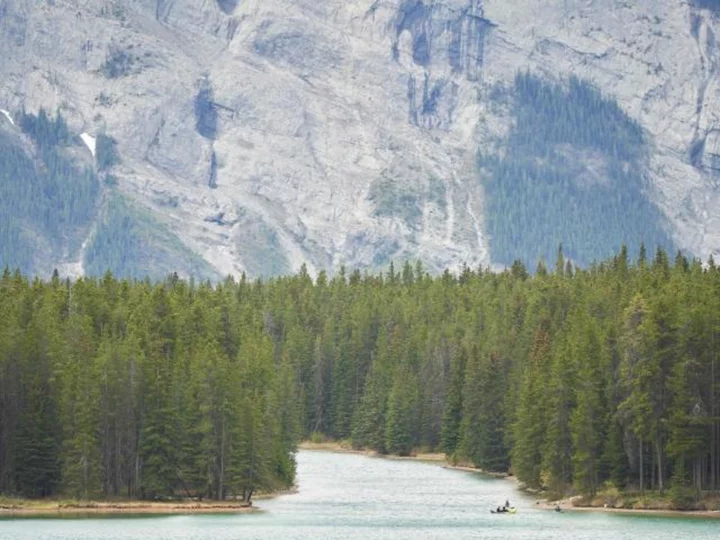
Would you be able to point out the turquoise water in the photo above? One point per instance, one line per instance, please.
(358, 497)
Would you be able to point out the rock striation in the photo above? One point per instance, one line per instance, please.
(269, 134)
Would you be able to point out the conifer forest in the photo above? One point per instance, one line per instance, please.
(572, 379)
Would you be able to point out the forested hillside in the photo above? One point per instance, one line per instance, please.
(707, 4)
(572, 171)
(130, 242)
(60, 203)
(48, 195)
(573, 379)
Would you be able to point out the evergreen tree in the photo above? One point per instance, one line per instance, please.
(529, 427)
(453, 412)
(401, 419)
(173, 389)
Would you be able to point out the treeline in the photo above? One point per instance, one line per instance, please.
(118, 389)
(574, 379)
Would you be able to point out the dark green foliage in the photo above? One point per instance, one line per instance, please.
(491, 453)
(707, 4)
(681, 492)
(119, 63)
(531, 415)
(37, 446)
(393, 200)
(453, 411)
(50, 197)
(369, 422)
(16, 249)
(402, 413)
(47, 133)
(572, 172)
(106, 152)
(571, 380)
(587, 422)
(65, 192)
(579, 115)
(47, 200)
(118, 389)
(130, 243)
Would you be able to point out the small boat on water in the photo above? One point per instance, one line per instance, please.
(504, 510)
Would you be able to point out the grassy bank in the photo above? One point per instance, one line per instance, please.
(650, 500)
(346, 447)
(614, 500)
(12, 506)
(416, 455)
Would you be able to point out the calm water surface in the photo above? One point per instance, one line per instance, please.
(358, 497)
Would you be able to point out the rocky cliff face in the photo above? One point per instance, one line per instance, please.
(271, 133)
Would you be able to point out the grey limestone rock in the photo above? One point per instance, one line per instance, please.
(345, 132)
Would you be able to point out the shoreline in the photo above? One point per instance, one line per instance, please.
(341, 448)
(50, 508)
(567, 505)
(20, 507)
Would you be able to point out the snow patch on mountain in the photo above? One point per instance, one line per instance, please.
(90, 142)
(6, 114)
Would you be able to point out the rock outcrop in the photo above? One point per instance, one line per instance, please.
(328, 132)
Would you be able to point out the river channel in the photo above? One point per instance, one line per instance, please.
(358, 497)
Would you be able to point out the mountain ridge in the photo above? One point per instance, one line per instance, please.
(268, 135)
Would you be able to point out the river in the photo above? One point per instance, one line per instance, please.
(349, 496)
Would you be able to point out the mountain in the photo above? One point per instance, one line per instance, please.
(260, 135)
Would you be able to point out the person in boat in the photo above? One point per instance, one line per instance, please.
(507, 503)
(557, 508)
(502, 510)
